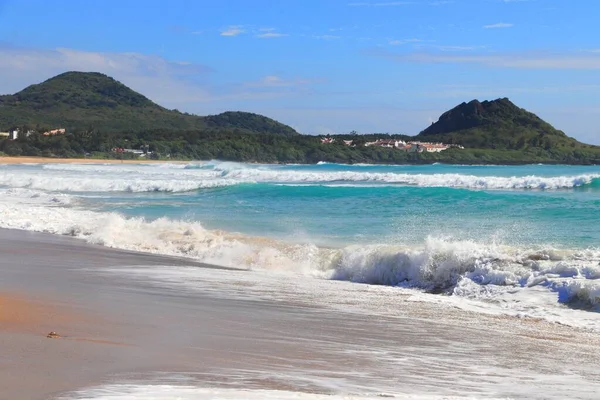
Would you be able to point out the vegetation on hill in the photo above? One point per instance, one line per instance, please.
(497, 124)
(270, 148)
(86, 100)
(247, 122)
(101, 114)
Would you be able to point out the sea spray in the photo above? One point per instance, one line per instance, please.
(176, 178)
(438, 265)
(529, 250)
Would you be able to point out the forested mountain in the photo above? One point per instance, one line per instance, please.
(497, 124)
(101, 115)
(90, 100)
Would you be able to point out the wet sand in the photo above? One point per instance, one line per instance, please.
(220, 328)
(37, 296)
(51, 160)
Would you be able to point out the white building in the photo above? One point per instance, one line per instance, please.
(13, 135)
(53, 132)
(133, 151)
(390, 144)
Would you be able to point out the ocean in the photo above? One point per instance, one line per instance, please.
(498, 240)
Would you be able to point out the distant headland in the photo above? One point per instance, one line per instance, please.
(88, 114)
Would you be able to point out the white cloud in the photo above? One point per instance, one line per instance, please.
(450, 48)
(327, 37)
(233, 30)
(270, 35)
(159, 79)
(459, 48)
(404, 41)
(499, 25)
(274, 81)
(491, 91)
(174, 84)
(566, 61)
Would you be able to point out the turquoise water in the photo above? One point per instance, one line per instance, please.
(337, 205)
(518, 237)
(337, 213)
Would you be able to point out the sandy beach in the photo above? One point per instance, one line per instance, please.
(51, 160)
(127, 316)
(37, 296)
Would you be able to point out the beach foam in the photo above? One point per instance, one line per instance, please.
(506, 277)
(170, 392)
(184, 178)
(543, 281)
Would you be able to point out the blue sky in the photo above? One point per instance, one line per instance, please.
(321, 66)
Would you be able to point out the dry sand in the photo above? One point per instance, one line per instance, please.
(48, 160)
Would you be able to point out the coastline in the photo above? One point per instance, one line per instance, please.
(135, 317)
(39, 295)
(50, 160)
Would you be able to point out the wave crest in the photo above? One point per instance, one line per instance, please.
(461, 268)
(191, 177)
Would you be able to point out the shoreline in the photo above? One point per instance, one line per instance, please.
(12, 160)
(142, 318)
(39, 294)
(50, 160)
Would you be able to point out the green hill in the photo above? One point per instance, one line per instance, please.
(497, 124)
(101, 114)
(82, 100)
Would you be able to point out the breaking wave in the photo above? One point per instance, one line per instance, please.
(423, 180)
(466, 269)
(108, 183)
(187, 392)
(191, 177)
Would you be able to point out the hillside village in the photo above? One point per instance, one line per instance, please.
(14, 134)
(409, 147)
(17, 133)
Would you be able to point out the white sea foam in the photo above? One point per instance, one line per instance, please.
(424, 180)
(183, 178)
(508, 277)
(108, 183)
(186, 392)
(511, 278)
(29, 196)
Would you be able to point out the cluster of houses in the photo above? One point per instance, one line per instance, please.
(54, 132)
(142, 152)
(410, 147)
(14, 134)
(121, 150)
